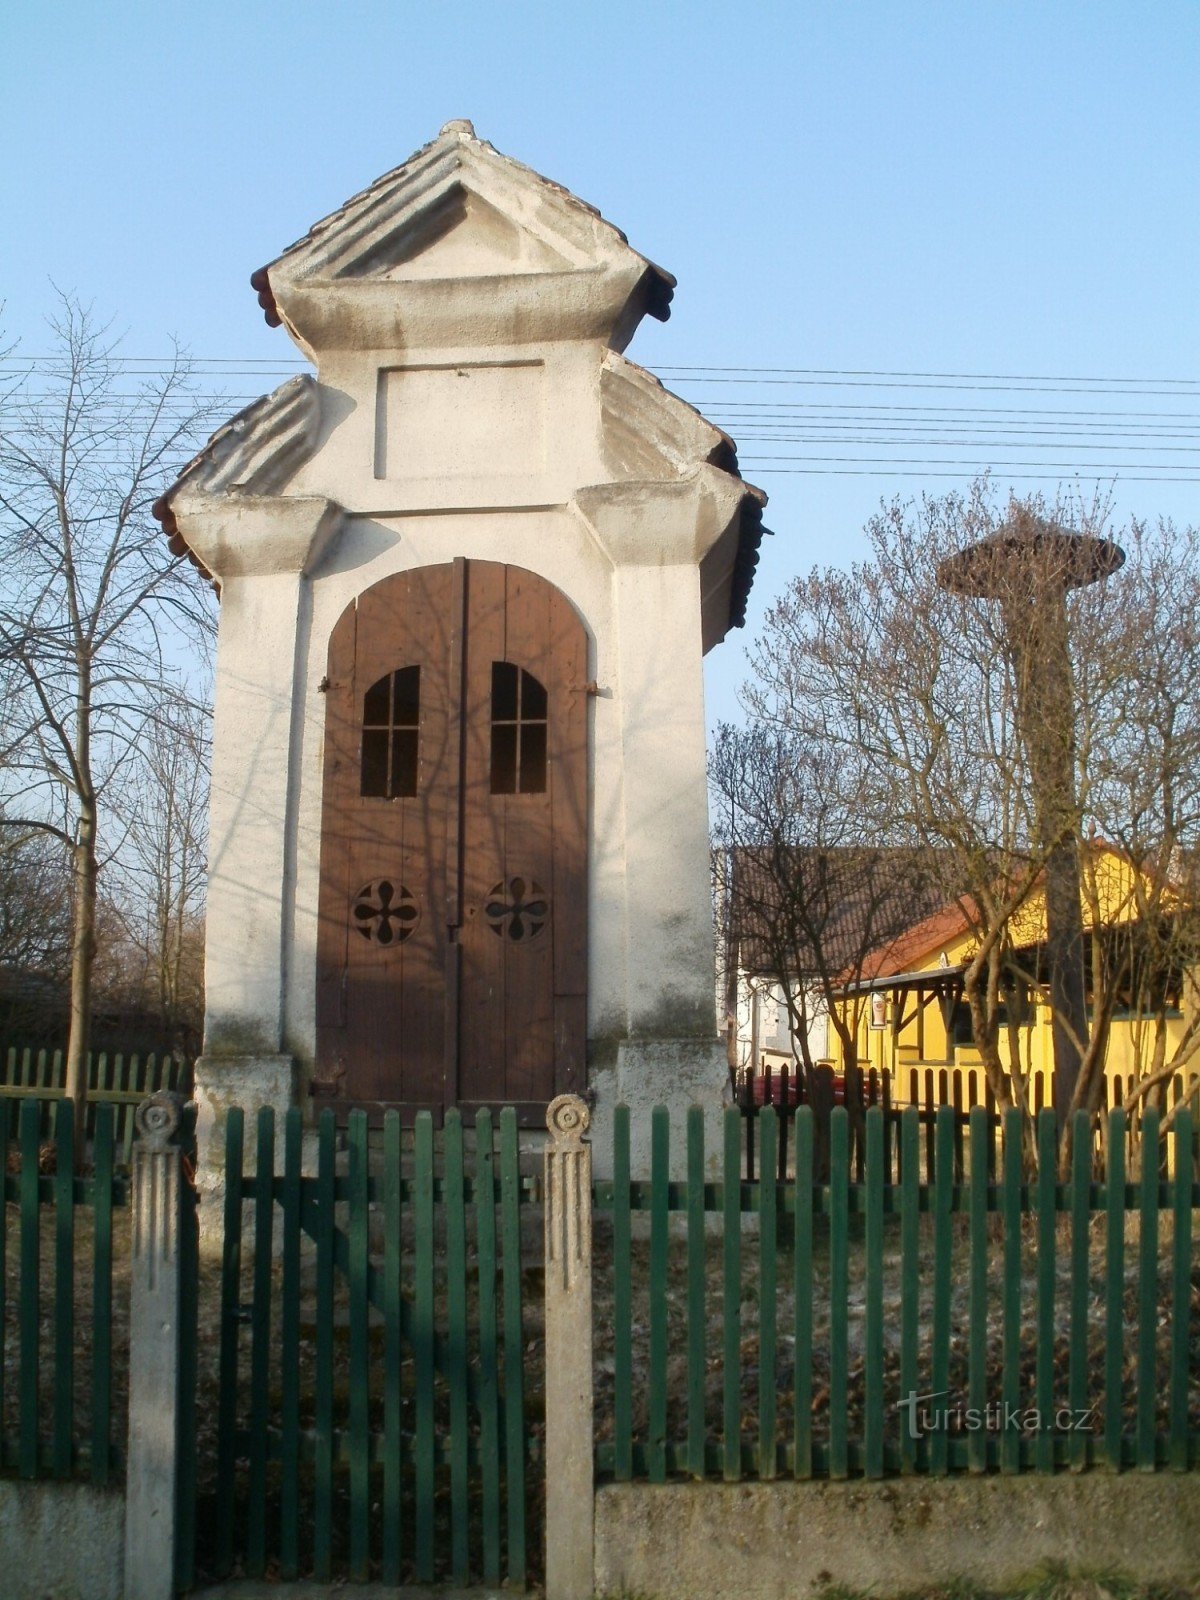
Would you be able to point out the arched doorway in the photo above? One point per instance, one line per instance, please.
(452, 945)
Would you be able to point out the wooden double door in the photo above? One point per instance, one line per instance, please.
(452, 942)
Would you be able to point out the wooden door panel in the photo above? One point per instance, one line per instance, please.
(482, 990)
(483, 999)
(333, 926)
(397, 1031)
(386, 854)
(569, 795)
(528, 860)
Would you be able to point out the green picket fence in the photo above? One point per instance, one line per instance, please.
(1073, 1305)
(58, 1416)
(118, 1080)
(370, 1390)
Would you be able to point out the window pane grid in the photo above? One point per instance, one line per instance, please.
(390, 732)
(519, 731)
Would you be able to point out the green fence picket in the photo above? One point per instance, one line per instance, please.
(30, 1288)
(767, 1213)
(289, 1351)
(696, 1271)
(102, 1294)
(393, 1353)
(1181, 1288)
(802, 1263)
(977, 1396)
(260, 1344)
(1010, 1205)
(456, 1339)
(5, 1137)
(514, 1369)
(839, 1283)
(489, 1386)
(1114, 1293)
(1147, 1378)
(189, 1313)
(656, 1442)
(731, 1296)
(622, 1302)
(64, 1288)
(1077, 1364)
(1047, 1218)
(358, 1237)
(323, 1378)
(227, 1396)
(873, 1331)
(910, 1279)
(423, 1342)
(943, 1202)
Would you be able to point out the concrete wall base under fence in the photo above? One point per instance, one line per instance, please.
(777, 1540)
(61, 1539)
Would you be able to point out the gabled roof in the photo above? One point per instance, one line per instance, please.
(947, 923)
(393, 228)
(256, 452)
(650, 433)
(458, 246)
(866, 893)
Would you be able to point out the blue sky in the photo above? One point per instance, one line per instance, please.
(900, 186)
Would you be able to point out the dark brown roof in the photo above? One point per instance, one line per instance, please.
(863, 906)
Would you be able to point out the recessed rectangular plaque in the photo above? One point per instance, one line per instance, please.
(482, 420)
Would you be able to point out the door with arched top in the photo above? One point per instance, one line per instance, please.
(452, 943)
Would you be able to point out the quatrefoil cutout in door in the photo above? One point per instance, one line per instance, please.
(385, 912)
(517, 909)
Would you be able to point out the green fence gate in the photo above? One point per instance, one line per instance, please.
(361, 1398)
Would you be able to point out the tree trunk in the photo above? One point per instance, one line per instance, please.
(83, 917)
(83, 950)
(1036, 622)
(982, 999)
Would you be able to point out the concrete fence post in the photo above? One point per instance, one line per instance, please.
(568, 1255)
(154, 1350)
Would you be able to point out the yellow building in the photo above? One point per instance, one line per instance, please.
(915, 1023)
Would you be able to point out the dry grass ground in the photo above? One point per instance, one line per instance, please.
(749, 1312)
(1051, 1586)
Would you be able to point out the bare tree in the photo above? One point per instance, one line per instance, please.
(931, 694)
(35, 932)
(1137, 648)
(814, 891)
(94, 611)
(163, 804)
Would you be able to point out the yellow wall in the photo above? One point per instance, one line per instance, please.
(1131, 1040)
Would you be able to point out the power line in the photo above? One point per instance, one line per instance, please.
(749, 407)
(954, 444)
(158, 363)
(869, 372)
(940, 461)
(1018, 477)
(976, 388)
(783, 408)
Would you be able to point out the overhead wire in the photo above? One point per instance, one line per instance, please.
(742, 401)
